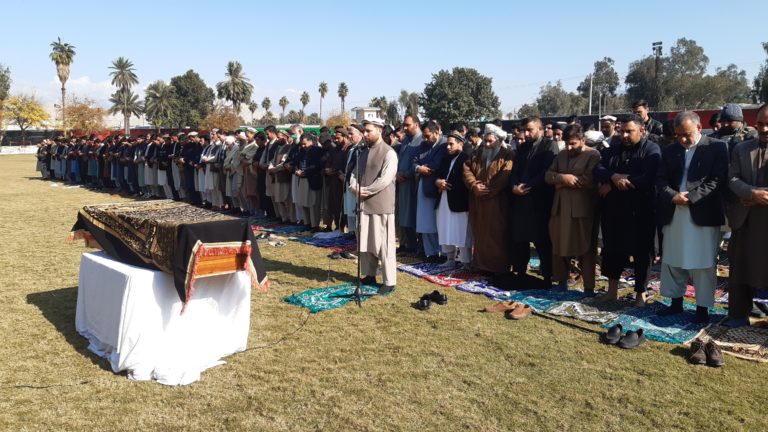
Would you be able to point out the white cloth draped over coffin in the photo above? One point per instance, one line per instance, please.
(131, 316)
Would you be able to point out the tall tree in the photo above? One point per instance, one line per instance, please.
(388, 109)
(222, 117)
(237, 88)
(683, 82)
(266, 103)
(252, 107)
(124, 101)
(604, 80)
(194, 100)
(462, 94)
(5, 87)
(343, 93)
(26, 112)
(84, 116)
(554, 100)
(760, 83)
(283, 102)
(62, 55)
(160, 103)
(323, 90)
(304, 101)
(124, 77)
(403, 101)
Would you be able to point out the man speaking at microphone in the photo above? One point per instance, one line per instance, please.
(376, 189)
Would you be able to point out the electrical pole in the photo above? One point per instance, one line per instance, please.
(658, 51)
(590, 93)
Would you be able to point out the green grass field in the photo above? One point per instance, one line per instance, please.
(385, 366)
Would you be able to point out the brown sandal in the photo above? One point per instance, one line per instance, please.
(520, 312)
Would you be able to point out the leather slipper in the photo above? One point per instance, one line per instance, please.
(501, 307)
(632, 339)
(612, 336)
(521, 311)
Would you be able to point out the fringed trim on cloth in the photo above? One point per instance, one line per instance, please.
(87, 237)
(203, 250)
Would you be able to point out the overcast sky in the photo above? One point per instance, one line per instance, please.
(377, 48)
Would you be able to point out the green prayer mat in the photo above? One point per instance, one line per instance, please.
(322, 299)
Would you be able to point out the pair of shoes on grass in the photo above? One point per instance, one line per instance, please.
(706, 353)
(425, 302)
(511, 310)
(629, 340)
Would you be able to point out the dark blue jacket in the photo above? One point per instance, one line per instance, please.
(707, 175)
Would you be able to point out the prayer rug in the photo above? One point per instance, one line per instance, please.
(286, 229)
(584, 312)
(484, 288)
(339, 243)
(676, 329)
(749, 343)
(421, 269)
(451, 278)
(322, 299)
(544, 300)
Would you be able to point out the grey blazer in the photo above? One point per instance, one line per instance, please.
(741, 180)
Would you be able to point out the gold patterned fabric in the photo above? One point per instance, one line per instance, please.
(166, 235)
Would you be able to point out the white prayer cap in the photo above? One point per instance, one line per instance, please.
(609, 118)
(192, 134)
(491, 128)
(374, 121)
(251, 129)
(229, 139)
(593, 137)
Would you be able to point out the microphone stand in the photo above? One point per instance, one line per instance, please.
(358, 294)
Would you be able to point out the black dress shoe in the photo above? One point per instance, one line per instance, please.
(385, 289)
(714, 355)
(612, 336)
(347, 255)
(335, 255)
(368, 280)
(698, 355)
(632, 339)
(423, 304)
(675, 308)
(438, 297)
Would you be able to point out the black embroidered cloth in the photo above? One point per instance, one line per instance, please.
(169, 236)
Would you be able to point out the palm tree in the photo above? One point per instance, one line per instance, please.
(236, 88)
(304, 101)
(266, 104)
(252, 107)
(343, 92)
(160, 103)
(127, 103)
(323, 89)
(403, 100)
(283, 102)
(123, 77)
(62, 55)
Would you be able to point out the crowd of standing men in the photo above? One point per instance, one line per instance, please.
(635, 190)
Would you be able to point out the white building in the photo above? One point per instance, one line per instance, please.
(367, 113)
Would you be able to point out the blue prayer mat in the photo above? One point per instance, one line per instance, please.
(322, 299)
(676, 329)
(484, 288)
(421, 269)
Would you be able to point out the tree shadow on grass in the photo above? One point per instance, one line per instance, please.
(58, 307)
(321, 273)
